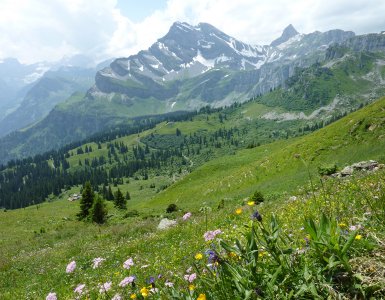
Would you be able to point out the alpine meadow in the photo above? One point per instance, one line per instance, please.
(201, 168)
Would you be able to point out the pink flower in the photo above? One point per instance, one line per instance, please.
(210, 235)
(126, 281)
(79, 289)
(71, 267)
(190, 278)
(117, 297)
(97, 261)
(51, 296)
(105, 287)
(186, 216)
(169, 284)
(128, 263)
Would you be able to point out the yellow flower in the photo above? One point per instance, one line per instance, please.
(191, 287)
(238, 211)
(144, 291)
(262, 254)
(232, 254)
(250, 203)
(358, 237)
(342, 225)
(201, 297)
(198, 256)
(133, 296)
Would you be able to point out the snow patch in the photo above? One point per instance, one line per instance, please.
(290, 41)
(209, 63)
(172, 104)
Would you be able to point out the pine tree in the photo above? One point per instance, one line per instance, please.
(110, 195)
(128, 196)
(120, 202)
(87, 201)
(99, 211)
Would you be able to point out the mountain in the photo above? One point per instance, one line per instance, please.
(15, 80)
(288, 33)
(195, 66)
(192, 66)
(40, 87)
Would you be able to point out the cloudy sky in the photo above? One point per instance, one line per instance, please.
(37, 30)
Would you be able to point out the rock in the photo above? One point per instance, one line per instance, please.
(166, 223)
(347, 171)
(365, 165)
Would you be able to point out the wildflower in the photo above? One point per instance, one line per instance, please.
(190, 278)
(233, 254)
(144, 291)
(198, 256)
(201, 297)
(126, 281)
(151, 280)
(186, 216)
(189, 270)
(353, 228)
(250, 203)
(79, 289)
(71, 267)
(210, 235)
(154, 290)
(169, 284)
(133, 296)
(212, 256)
(238, 211)
(358, 237)
(128, 263)
(262, 254)
(51, 296)
(191, 287)
(342, 225)
(105, 287)
(256, 216)
(117, 297)
(97, 261)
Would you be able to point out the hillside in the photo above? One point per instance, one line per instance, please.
(43, 239)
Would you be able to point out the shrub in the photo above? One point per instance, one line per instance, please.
(257, 197)
(171, 208)
(327, 170)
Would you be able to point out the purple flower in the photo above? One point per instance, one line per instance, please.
(127, 280)
(210, 235)
(97, 261)
(128, 263)
(256, 216)
(105, 287)
(79, 289)
(51, 296)
(190, 277)
(212, 256)
(186, 216)
(71, 267)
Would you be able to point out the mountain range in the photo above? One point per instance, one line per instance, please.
(195, 66)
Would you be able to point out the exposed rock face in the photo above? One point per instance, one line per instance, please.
(199, 65)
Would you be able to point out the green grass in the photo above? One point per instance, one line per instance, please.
(36, 243)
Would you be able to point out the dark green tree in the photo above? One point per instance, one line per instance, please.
(86, 202)
(120, 202)
(99, 211)
(128, 196)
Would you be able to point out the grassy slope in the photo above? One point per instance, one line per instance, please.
(358, 136)
(41, 240)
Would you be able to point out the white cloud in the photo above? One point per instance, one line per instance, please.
(35, 30)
